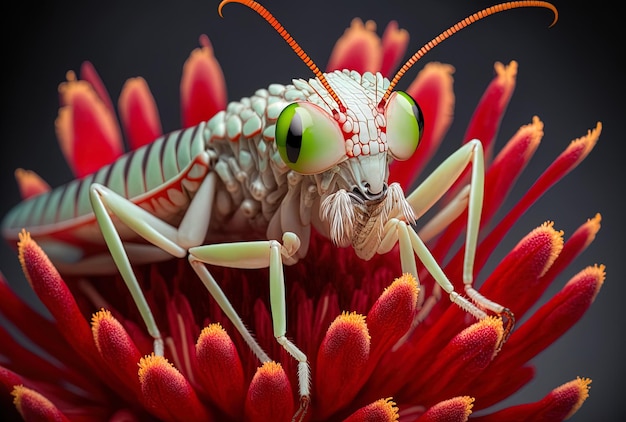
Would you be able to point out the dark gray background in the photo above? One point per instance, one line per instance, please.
(568, 76)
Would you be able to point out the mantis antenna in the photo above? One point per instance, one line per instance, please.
(265, 14)
(457, 27)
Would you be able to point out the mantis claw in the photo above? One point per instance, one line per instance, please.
(301, 412)
(508, 319)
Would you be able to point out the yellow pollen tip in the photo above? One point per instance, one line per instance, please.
(494, 323)
(408, 280)
(354, 320)
(17, 393)
(583, 384)
(468, 402)
(594, 223)
(70, 75)
(556, 242)
(388, 406)
(589, 140)
(213, 329)
(152, 362)
(25, 242)
(271, 368)
(599, 273)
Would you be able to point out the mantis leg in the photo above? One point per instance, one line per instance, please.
(428, 193)
(257, 254)
(175, 241)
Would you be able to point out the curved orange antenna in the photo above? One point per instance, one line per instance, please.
(457, 27)
(265, 14)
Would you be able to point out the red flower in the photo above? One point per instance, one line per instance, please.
(380, 346)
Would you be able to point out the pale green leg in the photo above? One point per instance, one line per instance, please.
(426, 195)
(257, 254)
(173, 240)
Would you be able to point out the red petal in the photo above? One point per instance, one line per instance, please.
(388, 321)
(518, 280)
(8, 380)
(392, 314)
(87, 130)
(488, 114)
(432, 89)
(567, 161)
(117, 348)
(490, 390)
(509, 164)
(560, 404)
(554, 318)
(460, 362)
(21, 360)
(270, 397)
(88, 73)
(167, 393)
(138, 113)
(202, 87)
(55, 295)
(546, 325)
(33, 325)
(35, 407)
(30, 183)
(395, 42)
(577, 243)
(341, 362)
(359, 49)
(221, 369)
(499, 179)
(456, 409)
(383, 410)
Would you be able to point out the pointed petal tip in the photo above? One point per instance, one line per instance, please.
(164, 388)
(342, 362)
(33, 258)
(392, 314)
(578, 390)
(270, 396)
(506, 72)
(30, 184)
(594, 222)
(202, 86)
(33, 406)
(595, 274)
(359, 48)
(114, 344)
(394, 43)
(87, 130)
(153, 364)
(221, 371)
(580, 148)
(456, 409)
(488, 330)
(382, 410)
(138, 113)
(555, 241)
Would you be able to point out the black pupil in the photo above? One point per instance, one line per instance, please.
(417, 112)
(294, 138)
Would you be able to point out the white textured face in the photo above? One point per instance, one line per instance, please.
(363, 124)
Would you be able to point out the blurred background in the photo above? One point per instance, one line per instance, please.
(568, 76)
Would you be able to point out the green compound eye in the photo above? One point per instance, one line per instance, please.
(309, 139)
(405, 125)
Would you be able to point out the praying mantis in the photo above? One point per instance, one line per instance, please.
(310, 155)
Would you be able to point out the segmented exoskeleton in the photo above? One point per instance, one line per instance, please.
(245, 189)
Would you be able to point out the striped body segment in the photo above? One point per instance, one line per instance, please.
(257, 196)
